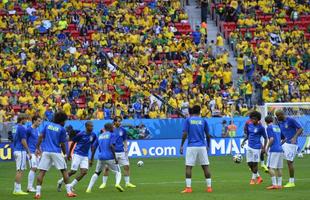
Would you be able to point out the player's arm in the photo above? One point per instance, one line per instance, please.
(93, 151)
(112, 147)
(270, 140)
(208, 136)
(265, 138)
(71, 149)
(184, 136)
(62, 142)
(125, 142)
(298, 132)
(40, 139)
(246, 134)
(24, 143)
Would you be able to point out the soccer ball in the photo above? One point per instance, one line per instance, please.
(237, 158)
(140, 163)
(300, 155)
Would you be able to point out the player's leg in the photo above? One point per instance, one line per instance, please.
(44, 165)
(203, 160)
(83, 171)
(190, 161)
(20, 158)
(290, 151)
(124, 161)
(33, 164)
(207, 177)
(272, 173)
(74, 167)
(118, 175)
(250, 159)
(262, 162)
(94, 177)
(279, 177)
(104, 178)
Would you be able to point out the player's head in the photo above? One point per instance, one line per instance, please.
(36, 120)
(108, 127)
(60, 118)
(255, 116)
(89, 126)
(195, 110)
(268, 119)
(117, 121)
(22, 118)
(280, 115)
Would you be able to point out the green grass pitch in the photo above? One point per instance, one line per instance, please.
(163, 179)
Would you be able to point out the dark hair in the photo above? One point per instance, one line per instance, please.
(35, 118)
(108, 126)
(255, 115)
(88, 123)
(268, 119)
(117, 118)
(21, 117)
(60, 117)
(195, 110)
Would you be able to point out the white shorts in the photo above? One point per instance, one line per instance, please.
(253, 155)
(20, 158)
(34, 161)
(107, 163)
(49, 158)
(122, 158)
(196, 155)
(275, 160)
(79, 161)
(290, 151)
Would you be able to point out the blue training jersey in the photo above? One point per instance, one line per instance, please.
(196, 129)
(20, 133)
(32, 138)
(104, 142)
(254, 132)
(120, 135)
(53, 135)
(289, 128)
(273, 131)
(83, 141)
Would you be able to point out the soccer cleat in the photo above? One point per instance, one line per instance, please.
(37, 196)
(289, 185)
(31, 190)
(265, 168)
(59, 184)
(209, 189)
(187, 190)
(119, 188)
(272, 187)
(130, 185)
(71, 194)
(20, 193)
(259, 180)
(252, 182)
(88, 190)
(102, 186)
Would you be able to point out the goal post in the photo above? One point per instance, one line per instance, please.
(299, 111)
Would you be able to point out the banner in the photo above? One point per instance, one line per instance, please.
(168, 148)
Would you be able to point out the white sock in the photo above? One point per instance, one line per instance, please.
(262, 162)
(292, 180)
(31, 177)
(38, 191)
(104, 179)
(279, 181)
(208, 181)
(118, 177)
(68, 188)
(274, 180)
(18, 187)
(127, 179)
(60, 181)
(254, 176)
(257, 175)
(74, 182)
(188, 182)
(92, 181)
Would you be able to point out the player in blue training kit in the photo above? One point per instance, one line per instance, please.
(83, 140)
(196, 130)
(253, 132)
(291, 130)
(275, 154)
(21, 150)
(106, 157)
(121, 152)
(32, 140)
(53, 139)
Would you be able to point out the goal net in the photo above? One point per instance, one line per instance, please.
(299, 111)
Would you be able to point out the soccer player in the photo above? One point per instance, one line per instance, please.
(83, 140)
(107, 157)
(290, 129)
(32, 140)
(54, 138)
(197, 131)
(275, 155)
(20, 150)
(121, 150)
(253, 132)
